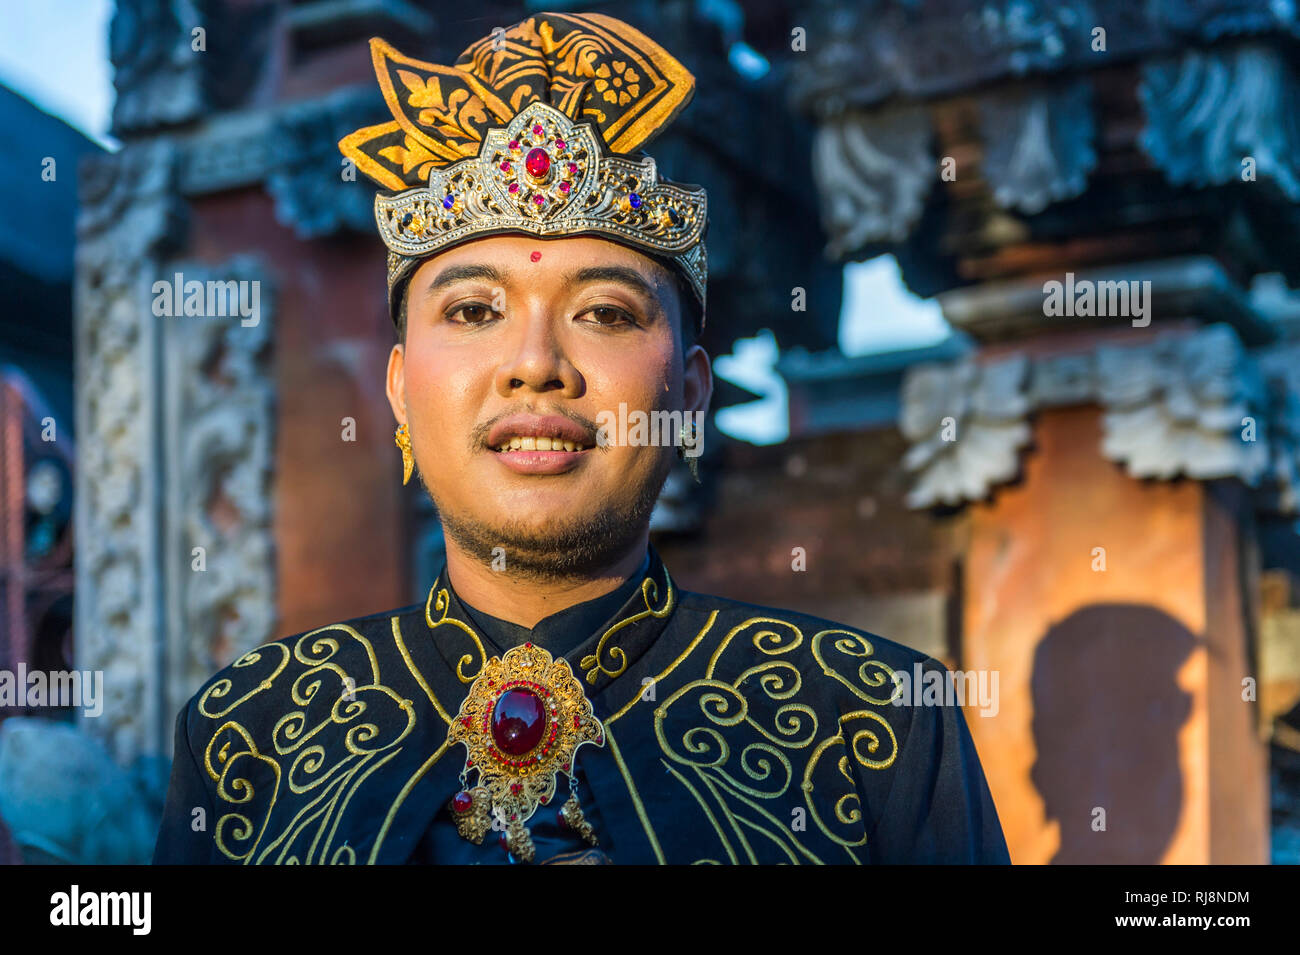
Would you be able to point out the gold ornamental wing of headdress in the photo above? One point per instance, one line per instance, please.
(531, 131)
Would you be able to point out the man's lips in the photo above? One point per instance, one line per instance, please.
(539, 434)
(523, 461)
(539, 444)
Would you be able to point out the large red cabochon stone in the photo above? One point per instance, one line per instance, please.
(518, 720)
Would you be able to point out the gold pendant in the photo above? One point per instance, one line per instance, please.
(523, 720)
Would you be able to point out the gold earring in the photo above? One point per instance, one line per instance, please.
(403, 439)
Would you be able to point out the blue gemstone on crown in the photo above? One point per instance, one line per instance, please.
(634, 200)
(448, 201)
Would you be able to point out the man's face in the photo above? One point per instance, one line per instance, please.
(506, 331)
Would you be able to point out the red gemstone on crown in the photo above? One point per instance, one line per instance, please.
(518, 720)
(538, 162)
(462, 802)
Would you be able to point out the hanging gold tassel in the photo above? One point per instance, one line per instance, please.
(520, 841)
(576, 821)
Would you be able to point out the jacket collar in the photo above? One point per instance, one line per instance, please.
(597, 661)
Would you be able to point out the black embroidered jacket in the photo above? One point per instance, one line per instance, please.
(733, 734)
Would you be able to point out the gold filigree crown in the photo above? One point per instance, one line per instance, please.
(531, 132)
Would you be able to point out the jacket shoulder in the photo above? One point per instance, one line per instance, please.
(771, 628)
(262, 682)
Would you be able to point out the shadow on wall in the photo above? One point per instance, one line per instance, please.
(1107, 713)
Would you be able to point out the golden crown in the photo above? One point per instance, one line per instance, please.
(524, 134)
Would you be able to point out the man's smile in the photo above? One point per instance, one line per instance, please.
(539, 444)
(531, 458)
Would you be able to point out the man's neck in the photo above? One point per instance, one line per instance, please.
(527, 600)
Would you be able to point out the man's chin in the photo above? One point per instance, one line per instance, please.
(554, 536)
(576, 545)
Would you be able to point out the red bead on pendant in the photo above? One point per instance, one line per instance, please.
(462, 802)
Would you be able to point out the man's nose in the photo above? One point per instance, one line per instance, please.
(536, 358)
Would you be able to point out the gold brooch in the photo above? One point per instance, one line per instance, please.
(523, 720)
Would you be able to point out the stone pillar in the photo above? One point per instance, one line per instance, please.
(131, 221)
(1111, 609)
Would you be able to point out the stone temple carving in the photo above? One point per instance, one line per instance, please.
(1184, 403)
(967, 424)
(1209, 111)
(1039, 144)
(1179, 406)
(220, 429)
(181, 409)
(873, 172)
(131, 218)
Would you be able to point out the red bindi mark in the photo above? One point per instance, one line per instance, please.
(536, 256)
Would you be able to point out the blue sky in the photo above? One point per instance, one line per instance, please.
(55, 53)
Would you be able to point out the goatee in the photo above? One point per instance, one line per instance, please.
(586, 546)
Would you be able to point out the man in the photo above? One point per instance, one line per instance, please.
(558, 698)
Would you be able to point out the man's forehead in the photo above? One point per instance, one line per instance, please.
(526, 257)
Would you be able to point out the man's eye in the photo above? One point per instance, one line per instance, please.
(472, 313)
(609, 315)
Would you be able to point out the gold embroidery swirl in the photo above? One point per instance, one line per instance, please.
(347, 725)
(618, 658)
(744, 787)
(848, 807)
(222, 687)
(444, 604)
(235, 785)
(765, 641)
(856, 645)
(344, 855)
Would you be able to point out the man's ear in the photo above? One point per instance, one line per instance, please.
(396, 383)
(697, 386)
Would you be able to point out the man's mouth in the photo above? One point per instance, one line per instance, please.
(539, 444)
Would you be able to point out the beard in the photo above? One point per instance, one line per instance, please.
(583, 547)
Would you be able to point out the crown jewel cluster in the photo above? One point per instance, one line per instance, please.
(546, 175)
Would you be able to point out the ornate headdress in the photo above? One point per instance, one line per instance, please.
(531, 131)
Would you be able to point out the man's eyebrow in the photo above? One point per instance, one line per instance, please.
(612, 273)
(461, 273)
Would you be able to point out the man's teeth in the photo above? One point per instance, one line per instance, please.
(540, 444)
